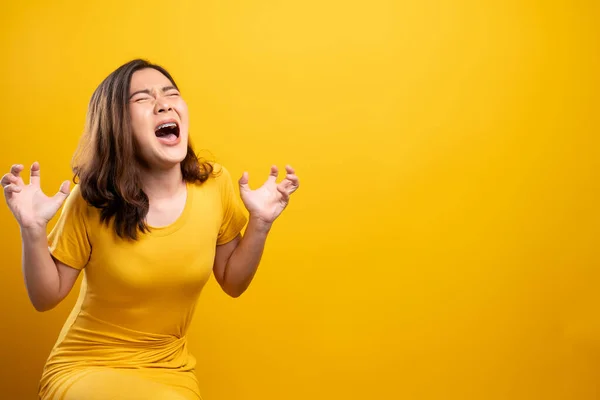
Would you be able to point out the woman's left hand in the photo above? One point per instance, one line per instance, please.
(268, 201)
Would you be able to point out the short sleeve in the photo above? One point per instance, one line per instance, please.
(68, 240)
(234, 216)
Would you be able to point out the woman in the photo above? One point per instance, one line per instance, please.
(148, 222)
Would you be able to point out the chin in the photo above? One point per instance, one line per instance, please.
(164, 159)
(175, 157)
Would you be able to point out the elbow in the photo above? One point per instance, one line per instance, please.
(43, 306)
(233, 287)
(235, 293)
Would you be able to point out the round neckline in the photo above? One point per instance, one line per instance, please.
(181, 219)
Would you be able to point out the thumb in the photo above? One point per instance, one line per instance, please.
(63, 193)
(244, 182)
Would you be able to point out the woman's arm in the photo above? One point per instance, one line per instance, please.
(236, 262)
(48, 281)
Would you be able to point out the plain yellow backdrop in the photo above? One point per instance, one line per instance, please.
(444, 242)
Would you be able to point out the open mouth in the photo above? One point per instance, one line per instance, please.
(167, 131)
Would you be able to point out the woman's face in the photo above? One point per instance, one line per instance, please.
(159, 119)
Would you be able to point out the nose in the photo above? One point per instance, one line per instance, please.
(162, 106)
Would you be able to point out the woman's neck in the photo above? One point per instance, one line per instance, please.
(161, 184)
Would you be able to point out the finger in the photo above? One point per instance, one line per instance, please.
(243, 182)
(293, 179)
(62, 193)
(291, 176)
(9, 178)
(274, 174)
(287, 187)
(284, 193)
(16, 169)
(291, 182)
(34, 174)
(12, 188)
(64, 187)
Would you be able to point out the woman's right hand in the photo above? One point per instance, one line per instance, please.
(28, 203)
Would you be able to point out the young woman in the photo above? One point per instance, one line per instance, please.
(148, 223)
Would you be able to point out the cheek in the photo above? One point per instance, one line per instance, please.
(182, 110)
(139, 122)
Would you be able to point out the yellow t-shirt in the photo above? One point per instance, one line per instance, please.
(137, 298)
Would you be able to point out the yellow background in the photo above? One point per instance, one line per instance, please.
(444, 242)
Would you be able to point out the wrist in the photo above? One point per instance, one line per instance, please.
(259, 224)
(34, 231)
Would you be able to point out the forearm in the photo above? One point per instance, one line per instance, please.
(243, 263)
(42, 279)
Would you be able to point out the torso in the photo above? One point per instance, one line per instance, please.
(138, 298)
(140, 294)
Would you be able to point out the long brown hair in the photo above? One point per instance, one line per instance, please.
(105, 163)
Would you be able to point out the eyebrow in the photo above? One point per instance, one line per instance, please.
(147, 91)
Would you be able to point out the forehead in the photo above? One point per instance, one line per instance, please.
(148, 78)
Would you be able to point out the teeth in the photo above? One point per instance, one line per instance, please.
(167, 125)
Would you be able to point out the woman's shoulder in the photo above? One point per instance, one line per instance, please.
(219, 180)
(220, 174)
(219, 169)
(77, 203)
(75, 197)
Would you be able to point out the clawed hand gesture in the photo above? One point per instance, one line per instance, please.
(267, 202)
(28, 203)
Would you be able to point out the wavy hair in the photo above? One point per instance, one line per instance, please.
(105, 163)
